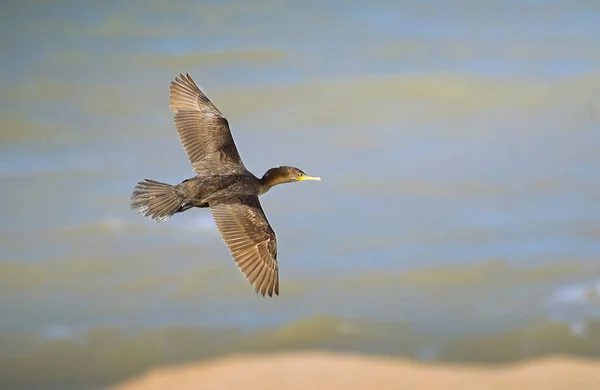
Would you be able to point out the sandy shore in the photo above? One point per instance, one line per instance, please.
(321, 370)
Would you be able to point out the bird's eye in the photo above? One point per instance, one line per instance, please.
(300, 174)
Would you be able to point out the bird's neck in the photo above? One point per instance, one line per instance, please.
(271, 178)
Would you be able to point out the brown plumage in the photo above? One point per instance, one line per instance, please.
(222, 183)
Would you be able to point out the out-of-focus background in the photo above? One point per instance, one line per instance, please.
(458, 218)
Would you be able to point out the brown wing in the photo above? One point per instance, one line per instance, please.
(203, 130)
(251, 241)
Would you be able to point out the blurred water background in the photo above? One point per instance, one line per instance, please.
(458, 218)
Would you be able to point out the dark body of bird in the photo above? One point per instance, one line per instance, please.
(222, 183)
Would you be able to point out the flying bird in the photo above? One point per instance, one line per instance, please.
(222, 183)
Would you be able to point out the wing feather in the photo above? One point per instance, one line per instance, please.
(203, 130)
(250, 240)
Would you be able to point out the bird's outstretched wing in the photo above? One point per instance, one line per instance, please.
(203, 130)
(251, 241)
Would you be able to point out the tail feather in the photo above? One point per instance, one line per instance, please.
(156, 200)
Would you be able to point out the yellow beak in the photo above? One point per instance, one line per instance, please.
(306, 177)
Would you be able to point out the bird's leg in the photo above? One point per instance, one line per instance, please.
(184, 207)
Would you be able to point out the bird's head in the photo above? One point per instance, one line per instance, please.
(282, 175)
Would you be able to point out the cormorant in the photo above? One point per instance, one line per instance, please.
(222, 183)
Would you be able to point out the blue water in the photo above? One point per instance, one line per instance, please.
(457, 142)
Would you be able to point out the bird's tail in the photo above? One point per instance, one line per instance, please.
(156, 200)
